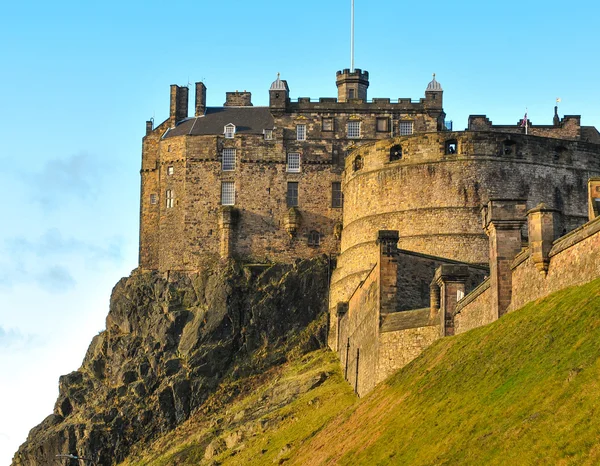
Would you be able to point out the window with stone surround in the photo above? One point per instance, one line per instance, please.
(314, 239)
(292, 194)
(395, 153)
(336, 195)
(383, 125)
(268, 134)
(293, 163)
(327, 124)
(229, 131)
(406, 128)
(227, 193)
(357, 163)
(153, 198)
(301, 132)
(354, 129)
(351, 94)
(170, 170)
(451, 147)
(169, 196)
(228, 160)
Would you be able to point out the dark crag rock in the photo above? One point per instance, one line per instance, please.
(169, 341)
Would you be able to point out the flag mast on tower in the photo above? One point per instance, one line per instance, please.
(352, 36)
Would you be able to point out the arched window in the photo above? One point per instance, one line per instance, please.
(509, 147)
(395, 152)
(358, 163)
(451, 147)
(314, 239)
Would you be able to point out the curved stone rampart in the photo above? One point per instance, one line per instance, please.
(432, 191)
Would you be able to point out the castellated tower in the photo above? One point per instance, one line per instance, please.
(352, 85)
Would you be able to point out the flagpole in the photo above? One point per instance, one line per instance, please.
(526, 120)
(352, 37)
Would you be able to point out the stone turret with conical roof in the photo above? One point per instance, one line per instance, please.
(279, 94)
(434, 94)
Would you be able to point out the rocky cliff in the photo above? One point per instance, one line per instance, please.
(170, 341)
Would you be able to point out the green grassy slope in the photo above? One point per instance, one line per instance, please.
(524, 390)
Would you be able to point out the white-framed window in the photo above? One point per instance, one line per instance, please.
(170, 196)
(229, 131)
(228, 160)
(170, 170)
(227, 193)
(354, 129)
(406, 128)
(153, 198)
(268, 134)
(301, 132)
(293, 163)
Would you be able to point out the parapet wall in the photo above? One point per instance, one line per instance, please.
(574, 260)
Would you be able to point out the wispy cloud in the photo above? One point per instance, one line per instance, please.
(14, 339)
(43, 261)
(60, 180)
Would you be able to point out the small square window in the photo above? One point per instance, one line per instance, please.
(354, 129)
(293, 163)
(268, 134)
(169, 196)
(228, 160)
(301, 132)
(336, 194)
(227, 193)
(383, 125)
(153, 199)
(327, 124)
(292, 194)
(406, 128)
(170, 170)
(351, 94)
(314, 239)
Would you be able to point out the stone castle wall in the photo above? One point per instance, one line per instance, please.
(433, 197)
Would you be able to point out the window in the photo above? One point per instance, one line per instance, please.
(508, 147)
(351, 94)
(357, 164)
(314, 238)
(395, 153)
(170, 170)
(293, 163)
(169, 198)
(229, 131)
(451, 147)
(228, 160)
(327, 124)
(301, 132)
(292, 194)
(406, 128)
(354, 129)
(268, 134)
(336, 194)
(227, 193)
(383, 125)
(153, 199)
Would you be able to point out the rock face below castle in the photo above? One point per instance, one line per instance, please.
(170, 340)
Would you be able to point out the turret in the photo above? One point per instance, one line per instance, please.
(279, 94)
(352, 84)
(434, 94)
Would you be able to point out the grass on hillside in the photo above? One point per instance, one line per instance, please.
(524, 390)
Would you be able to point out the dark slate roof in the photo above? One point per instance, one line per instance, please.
(590, 134)
(248, 120)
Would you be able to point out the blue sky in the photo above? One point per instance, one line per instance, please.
(79, 79)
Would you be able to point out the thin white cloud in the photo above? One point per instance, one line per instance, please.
(14, 339)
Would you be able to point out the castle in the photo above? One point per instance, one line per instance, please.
(432, 231)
